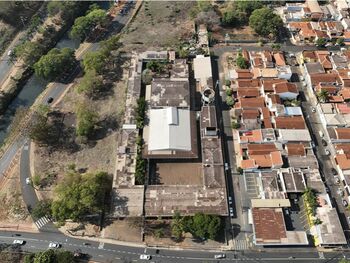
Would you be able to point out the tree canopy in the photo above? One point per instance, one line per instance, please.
(241, 62)
(55, 63)
(90, 84)
(86, 121)
(249, 6)
(265, 22)
(39, 128)
(94, 60)
(84, 24)
(29, 51)
(50, 256)
(79, 195)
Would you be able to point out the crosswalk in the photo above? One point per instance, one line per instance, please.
(240, 244)
(42, 222)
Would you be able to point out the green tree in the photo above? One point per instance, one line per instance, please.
(249, 6)
(140, 112)
(204, 5)
(91, 84)
(204, 226)
(229, 92)
(83, 25)
(94, 60)
(64, 256)
(29, 52)
(265, 22)
(55, 63)
(230, 101)
(321, 42)
(177, 226)
(323, 95)
(42, 208)
(343, 260)
(39, 128)
(46, 256)
(155, 66)
(241, 62)
(86, 121)
(79, 195)
(340, 41)
(235, 125)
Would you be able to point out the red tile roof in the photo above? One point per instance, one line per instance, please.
(342, 133)
(269, 225)
(279, 59)
(248, 92)
(324, 78)
(268, 84)
(285, 87)
(295, 149)
(251, 102)
(291, 122)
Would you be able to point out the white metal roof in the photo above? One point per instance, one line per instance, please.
(202, 68)
(169, 129)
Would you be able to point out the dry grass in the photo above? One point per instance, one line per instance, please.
(123, 230)
(100, 153)
(13, 210)
(159, 24)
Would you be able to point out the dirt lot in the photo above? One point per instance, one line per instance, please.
(244, 33)
(180, 173)
(124, 230)
(13, 211)
(100, 153)
(159, 24)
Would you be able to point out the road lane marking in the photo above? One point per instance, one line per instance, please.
(100, 246)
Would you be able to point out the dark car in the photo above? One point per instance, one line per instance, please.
(324, 143)
(49, 100)
(334, 171)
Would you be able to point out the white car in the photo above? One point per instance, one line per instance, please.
(230, 200)
(146, 257)
(18, 242)
(231, 212)
(219, 256)
(54, 245)
(9, 53)
(327, 152)
(27, 180)
(313, 109)
(336, 180)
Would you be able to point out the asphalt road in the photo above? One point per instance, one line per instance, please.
(103, 252)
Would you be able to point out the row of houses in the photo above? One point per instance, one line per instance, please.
(333, 80)
(274, 149)
(310, 21)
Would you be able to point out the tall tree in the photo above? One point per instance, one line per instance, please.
(86, 121)
(55, 63)
(265, 22)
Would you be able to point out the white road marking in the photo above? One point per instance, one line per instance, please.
(100, 246)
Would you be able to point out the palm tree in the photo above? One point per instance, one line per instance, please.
(323, 95)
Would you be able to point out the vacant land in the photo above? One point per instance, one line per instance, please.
(100, 152)
(159, 24)
(128, 229)
(241, 34)
(180, 173)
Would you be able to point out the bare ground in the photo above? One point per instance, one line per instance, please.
(159, 25)
(100, 153)
(180, 173)
(124, 230)
(13, 211)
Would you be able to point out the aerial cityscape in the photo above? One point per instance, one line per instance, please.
(175, 131)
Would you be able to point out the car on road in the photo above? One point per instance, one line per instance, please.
(145, 257)
(230, 200)
(18, 242)
(226, 167)
(327, 189)
(313, 109)
(324, 142)
(9, 53)
(334, 171)
(348, 218)
(49, 100)
(321, 133)
(327, 152)
(219, 256)
(28, 180)
(231, 212)
(344, 202)
(336, 180)
(54, 245)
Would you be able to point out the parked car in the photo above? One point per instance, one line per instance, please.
(345, 203)
(18, 242)
(327, 189)
(334, 171)
(28, 180)
(54, 245)
(348, 218)
(340, 192)
(230, 200)
(231, 212)
(324, 143)
(145, 257)
(327, 152)
(219, 256)
(336, 180)
(313, 109)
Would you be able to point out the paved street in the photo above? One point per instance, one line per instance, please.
(103, 252)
